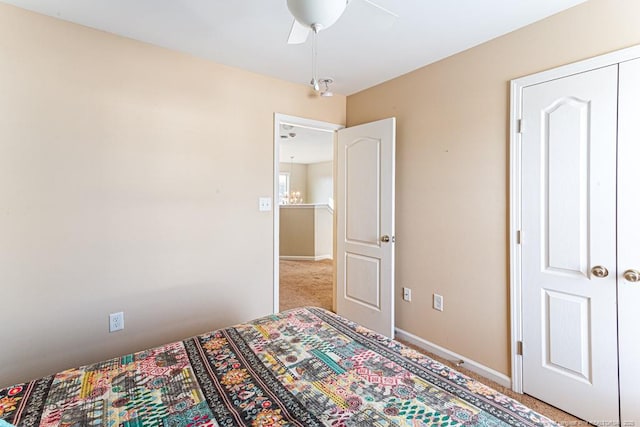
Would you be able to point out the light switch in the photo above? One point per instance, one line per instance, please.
(264, 204)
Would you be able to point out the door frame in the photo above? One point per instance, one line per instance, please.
(515, 187)
(279, 119)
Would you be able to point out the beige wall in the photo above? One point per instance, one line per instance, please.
(297, 231)
(306, 231)
(297, 178)
(129, 180)
(314, 181)
(320, 182)
(324, 231)
(452, 171)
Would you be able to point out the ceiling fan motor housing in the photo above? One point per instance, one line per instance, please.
(320, 14)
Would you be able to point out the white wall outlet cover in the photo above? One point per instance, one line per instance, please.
(264, 204)
(116, 321)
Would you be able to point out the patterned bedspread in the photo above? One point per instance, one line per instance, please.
(303, 367)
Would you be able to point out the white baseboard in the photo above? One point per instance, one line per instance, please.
(469, 364)
(305, 258)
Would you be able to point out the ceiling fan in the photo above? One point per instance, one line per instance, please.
(313, 16)
(318, 15)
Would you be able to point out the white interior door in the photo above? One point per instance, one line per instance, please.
(365, 224)
(629, 242)
(569, 323)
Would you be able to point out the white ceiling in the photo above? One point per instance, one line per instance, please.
(361, 50)
(306, 145)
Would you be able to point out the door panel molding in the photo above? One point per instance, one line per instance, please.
(362, 227)
(558, 307)
(569, 255)
(361, 269)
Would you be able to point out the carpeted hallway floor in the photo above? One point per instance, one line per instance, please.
(306, 283)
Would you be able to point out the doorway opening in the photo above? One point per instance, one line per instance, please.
(304, 218)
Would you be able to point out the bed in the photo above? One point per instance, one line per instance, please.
(302, 367)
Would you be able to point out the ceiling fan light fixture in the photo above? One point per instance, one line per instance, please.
(326, 92)
(319, 13)
(312, 16)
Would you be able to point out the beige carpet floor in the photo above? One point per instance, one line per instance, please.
(306, 283)
(310, 283)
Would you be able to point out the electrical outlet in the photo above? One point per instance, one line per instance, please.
(116, 321)
(406, 294)
(438, 302)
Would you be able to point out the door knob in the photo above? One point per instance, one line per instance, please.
(632, 276)
(599, 271)
(385, 238)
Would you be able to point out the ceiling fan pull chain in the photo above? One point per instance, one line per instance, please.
(314, 60)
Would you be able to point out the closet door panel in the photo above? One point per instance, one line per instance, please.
(569, 317)
(629, 241)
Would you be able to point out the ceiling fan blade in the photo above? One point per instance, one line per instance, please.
(382, 9)
(298, 33)
(373, 14)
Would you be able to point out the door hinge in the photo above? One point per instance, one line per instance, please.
(519, 348)
(519, 237)
(520, 126)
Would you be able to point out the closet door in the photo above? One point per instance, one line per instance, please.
(569, 320)
(629, 241)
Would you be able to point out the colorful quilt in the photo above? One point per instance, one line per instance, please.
(302, 367)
